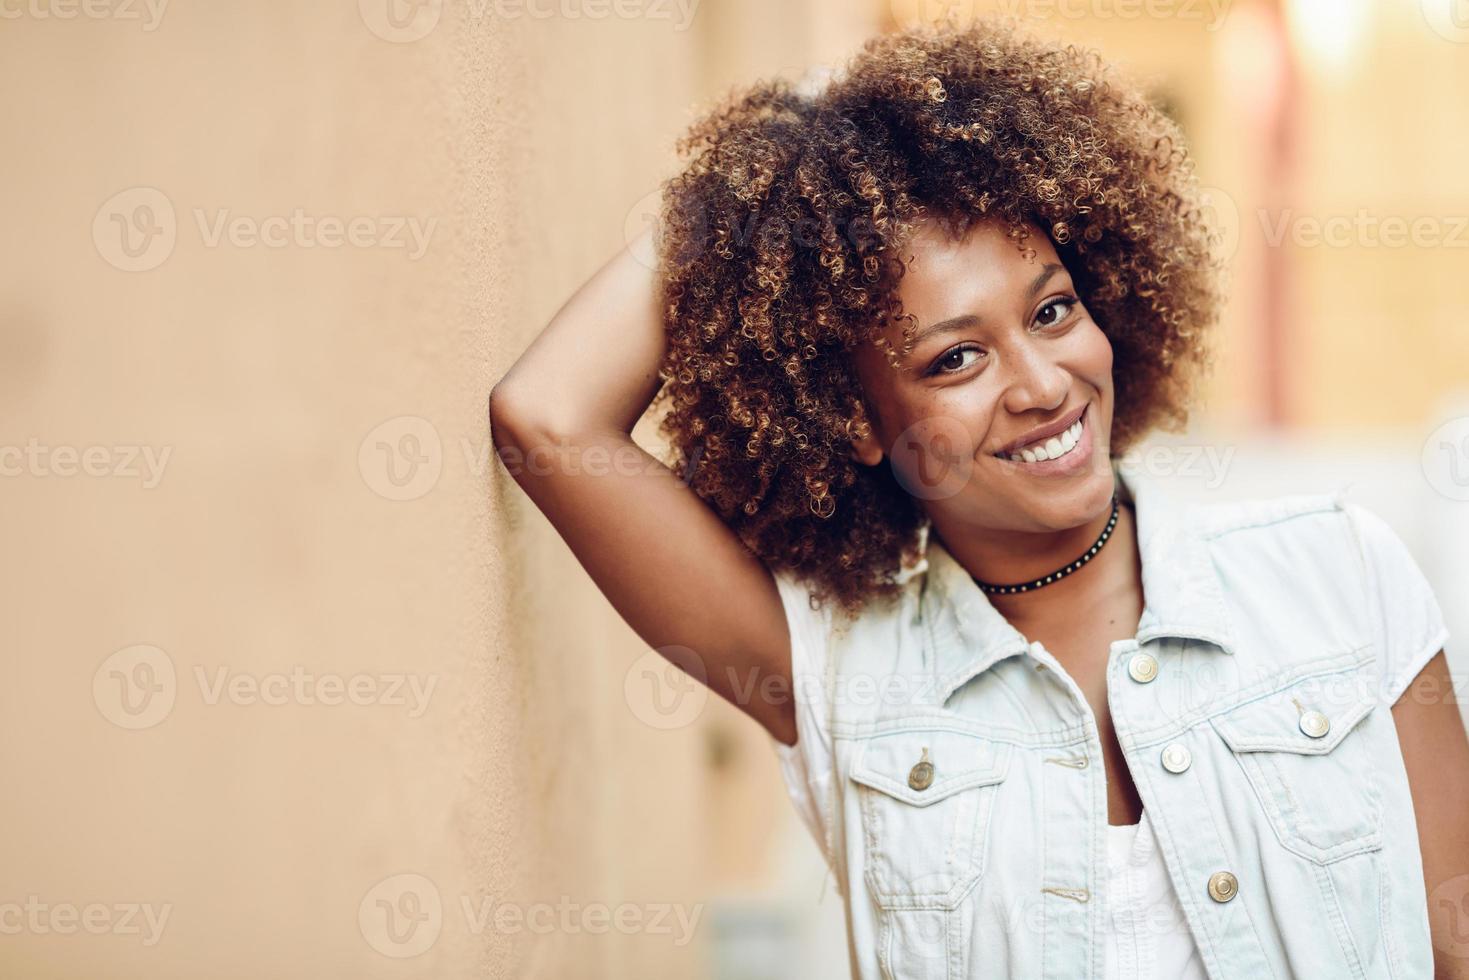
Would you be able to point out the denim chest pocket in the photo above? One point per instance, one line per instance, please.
(1306, 752)
(925, 799)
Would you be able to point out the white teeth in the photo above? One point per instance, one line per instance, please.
(1052, 448)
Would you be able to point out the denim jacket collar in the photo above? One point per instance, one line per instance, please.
(1182, 596)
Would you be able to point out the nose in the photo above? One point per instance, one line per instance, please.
(1034, 380)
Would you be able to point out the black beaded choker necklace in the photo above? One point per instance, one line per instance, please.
(1061, 572)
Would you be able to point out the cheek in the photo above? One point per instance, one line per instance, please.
(1096, 351)
(965, 413)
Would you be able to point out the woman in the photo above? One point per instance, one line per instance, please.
(1041, 720)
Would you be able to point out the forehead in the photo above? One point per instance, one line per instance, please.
(984, 262)
(982, 269)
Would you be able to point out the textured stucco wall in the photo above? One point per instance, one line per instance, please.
(265, 546)
(268, 538)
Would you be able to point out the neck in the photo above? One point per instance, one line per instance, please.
(1018, 556)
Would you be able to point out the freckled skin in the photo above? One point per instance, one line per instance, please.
(1032, 358)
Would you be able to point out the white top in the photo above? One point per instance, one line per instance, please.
(1148, 936)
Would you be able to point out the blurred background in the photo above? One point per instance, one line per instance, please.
(299, 684)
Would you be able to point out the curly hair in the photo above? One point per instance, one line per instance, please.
(780, 248)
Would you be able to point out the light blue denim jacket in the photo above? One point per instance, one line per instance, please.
(1253, 707)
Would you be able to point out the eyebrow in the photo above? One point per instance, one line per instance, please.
(969, 319)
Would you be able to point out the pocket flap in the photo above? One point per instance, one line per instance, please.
(959, 761)
(1283, 720)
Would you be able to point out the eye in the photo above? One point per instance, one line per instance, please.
(1065, 302)
(952, 361)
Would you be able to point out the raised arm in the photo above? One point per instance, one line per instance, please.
(561, 420)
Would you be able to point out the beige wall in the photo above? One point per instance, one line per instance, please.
(284, 394)
(268, 544)
(263, 547)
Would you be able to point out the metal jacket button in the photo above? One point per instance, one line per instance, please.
(920, 777)
(1176, 758)
(1315, 724)
(1223, 886)
(1142, 668)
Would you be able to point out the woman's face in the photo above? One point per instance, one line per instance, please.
(1002, 347)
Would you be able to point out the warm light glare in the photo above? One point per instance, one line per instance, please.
(1328, 33)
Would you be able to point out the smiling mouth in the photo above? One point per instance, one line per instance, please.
(1053, 447)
